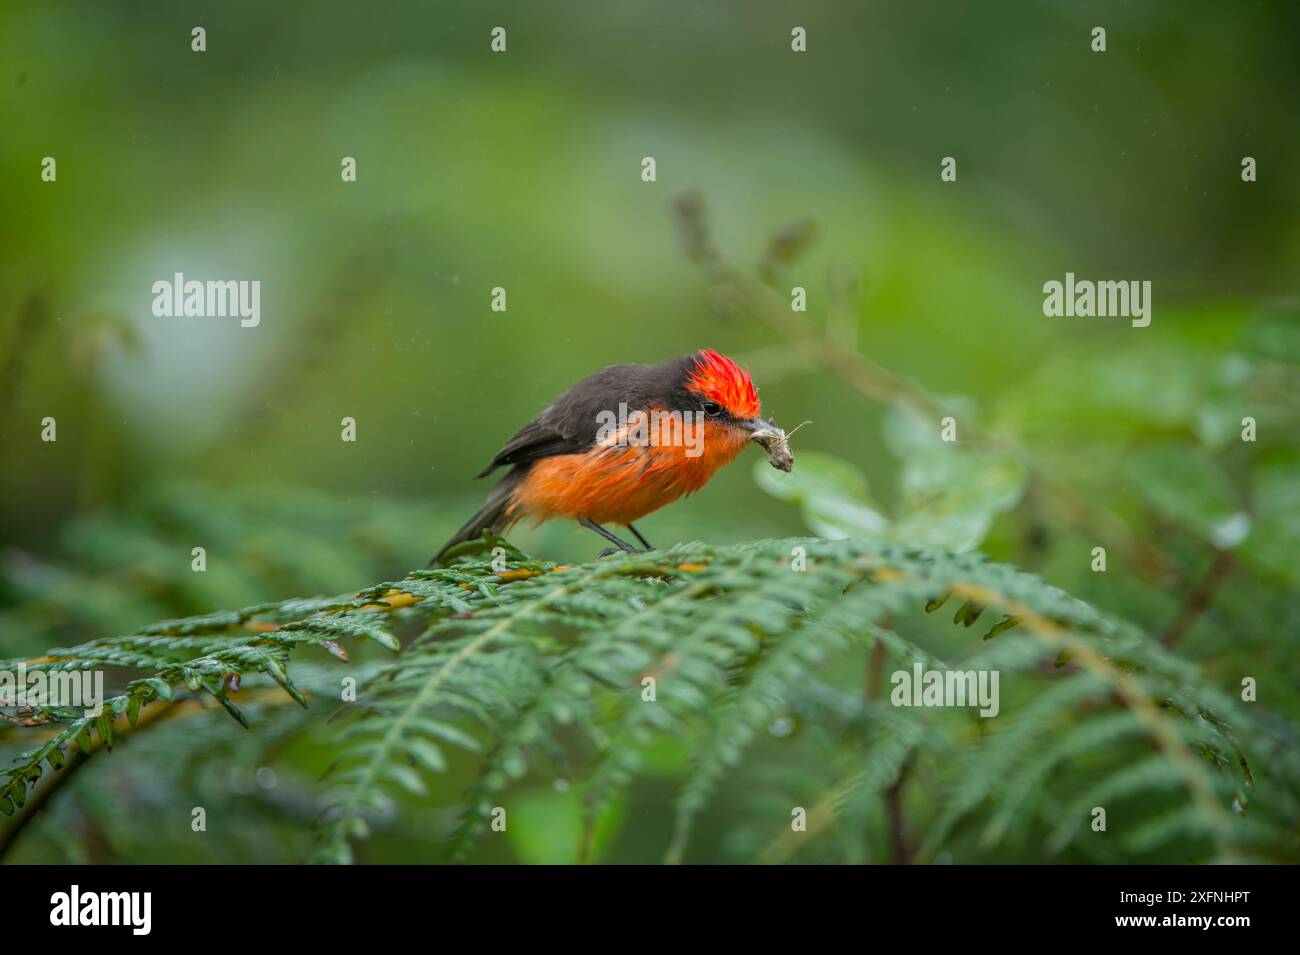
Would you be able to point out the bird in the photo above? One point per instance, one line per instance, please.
(624, 442)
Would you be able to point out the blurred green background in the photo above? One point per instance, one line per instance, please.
(522, 170)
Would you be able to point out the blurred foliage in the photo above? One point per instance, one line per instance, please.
(522, 170)
(529, 673)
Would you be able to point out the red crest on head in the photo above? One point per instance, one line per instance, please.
(718, 378)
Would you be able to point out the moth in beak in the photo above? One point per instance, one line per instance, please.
(773, 440)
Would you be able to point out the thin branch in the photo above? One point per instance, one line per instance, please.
(883, 386)
(894, 813)
(58, 778)
(1198, 599)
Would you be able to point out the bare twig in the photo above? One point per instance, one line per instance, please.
(1198, 599)
(894, 813)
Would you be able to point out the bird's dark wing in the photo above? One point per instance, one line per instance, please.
(535, 440)
(570, 424)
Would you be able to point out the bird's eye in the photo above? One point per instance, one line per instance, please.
(712, 408)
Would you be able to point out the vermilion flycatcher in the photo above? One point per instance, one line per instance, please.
(624, 442)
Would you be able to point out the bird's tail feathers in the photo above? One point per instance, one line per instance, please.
(491, 516)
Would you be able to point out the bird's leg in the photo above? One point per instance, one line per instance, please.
(621, 544)
(641, 537)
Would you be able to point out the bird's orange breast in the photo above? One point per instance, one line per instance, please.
(622, 483)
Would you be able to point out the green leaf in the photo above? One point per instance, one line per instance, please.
(934, 603)
(406, 777)
(1003, 625)
(967, 613)
(1185, 485)
(104, 726)
(272, 666)
(949, 499)
(449, 733)
(832, 493)
(383, 637)
(950, 493)
(425, 753)
(1274, 544)
(548, 827)
(232, 709)
(910, 434)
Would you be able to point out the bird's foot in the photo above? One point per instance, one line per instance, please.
(621, 550)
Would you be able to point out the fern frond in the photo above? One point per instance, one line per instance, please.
(529, 669)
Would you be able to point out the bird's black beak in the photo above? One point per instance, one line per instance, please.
(772, 440)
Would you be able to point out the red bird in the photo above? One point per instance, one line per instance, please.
(624, 442)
